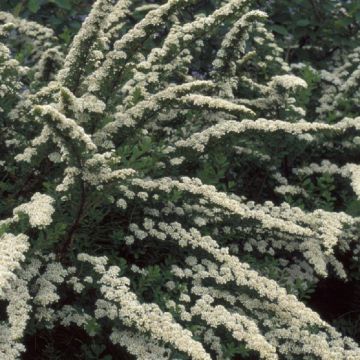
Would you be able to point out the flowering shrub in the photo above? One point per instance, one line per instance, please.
(156, 182)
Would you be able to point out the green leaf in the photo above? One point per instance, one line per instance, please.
(92, 327)
(64, 4)
(18, 8)
(66, 35)
(33, 5)
(280, 29)
(303, 22)
(3, 229)
(353, 208)
(107, 357)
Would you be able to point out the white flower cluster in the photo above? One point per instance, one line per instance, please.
(12, 331)
(39, 210)
(59, 122)
(240, 326)
(97, 170)
(287, 82)
(41, 37)
(79, 49)
(147, 317)
(139, 346)
(12, 252)
(10, 72)
(199, 140)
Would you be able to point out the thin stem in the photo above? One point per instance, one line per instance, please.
(69, 239)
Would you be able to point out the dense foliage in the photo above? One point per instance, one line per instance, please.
(179, 179)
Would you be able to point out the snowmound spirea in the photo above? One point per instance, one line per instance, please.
(163, 205)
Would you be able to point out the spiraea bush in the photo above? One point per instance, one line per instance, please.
(171, 188)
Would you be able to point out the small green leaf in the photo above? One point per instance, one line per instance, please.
(92, 327)
(33, 5)
(280, 29)
(303, 22)
(107, 357)
(353, 208)
(64, 4)
(18, 8)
